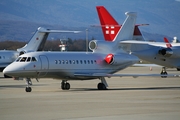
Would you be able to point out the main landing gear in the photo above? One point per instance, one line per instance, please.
(103, 84)
(65, 85)
(28, 82)
(163, 72)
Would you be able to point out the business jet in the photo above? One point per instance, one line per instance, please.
(104, 60)
(36, 43)
(161, 53)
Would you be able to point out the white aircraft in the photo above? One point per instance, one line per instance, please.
(36, 43)
(105, 60)
(164, 54)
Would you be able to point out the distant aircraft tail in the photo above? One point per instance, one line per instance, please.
(168, 44)
(110, 26)
(38, 40)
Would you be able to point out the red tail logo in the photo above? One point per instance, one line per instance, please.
(110, 27)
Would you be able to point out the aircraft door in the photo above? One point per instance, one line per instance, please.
(44, 65)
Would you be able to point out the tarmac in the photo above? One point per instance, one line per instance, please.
(127, 98)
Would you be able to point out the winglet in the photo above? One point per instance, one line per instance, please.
(167, 43)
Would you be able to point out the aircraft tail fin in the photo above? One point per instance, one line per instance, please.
(38, 40)
(110, 26)
(167, 43)
(127, 29)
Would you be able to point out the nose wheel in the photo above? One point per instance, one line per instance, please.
(28, 82)
(28, 89)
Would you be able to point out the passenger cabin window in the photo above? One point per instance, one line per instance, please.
(59, 61)
(56, 61)
(91, 61)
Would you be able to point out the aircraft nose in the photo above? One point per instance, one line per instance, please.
(10, 71)
(6, 71)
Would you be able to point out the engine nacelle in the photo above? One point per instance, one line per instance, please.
(120, 59)
(105, 46)
(167, 52)
(22, 52)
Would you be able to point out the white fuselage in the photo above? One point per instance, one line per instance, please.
(65, 65)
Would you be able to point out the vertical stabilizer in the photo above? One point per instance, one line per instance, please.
(37, 39)
(127, 30)
(109, 25)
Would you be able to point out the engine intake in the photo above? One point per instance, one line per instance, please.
(167, 52)
(22, 52)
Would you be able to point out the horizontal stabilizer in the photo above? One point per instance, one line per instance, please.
(43, 30)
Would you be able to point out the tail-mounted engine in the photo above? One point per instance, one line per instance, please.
(109, 59)
(115, 59)
(104, 46)
(167, 52)
(22, 52)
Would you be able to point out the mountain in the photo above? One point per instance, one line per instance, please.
(19, 18)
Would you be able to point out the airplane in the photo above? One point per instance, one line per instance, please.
(104, 60)
(160, 53)
(36, 43)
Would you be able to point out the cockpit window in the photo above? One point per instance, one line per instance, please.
(33, 59)
(28, 59)
(23, 59)
(18, 59)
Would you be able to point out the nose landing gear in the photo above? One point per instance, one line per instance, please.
(28, 82)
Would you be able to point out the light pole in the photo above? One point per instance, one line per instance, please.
(86, 40)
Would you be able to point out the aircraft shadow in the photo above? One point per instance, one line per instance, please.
(18, 86)
(111, 89)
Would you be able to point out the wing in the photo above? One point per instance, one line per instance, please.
(157, 44)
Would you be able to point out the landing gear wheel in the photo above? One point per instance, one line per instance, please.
(178, 69)
(28, 89)
(163, 72)
(65, 85)
(101, 86)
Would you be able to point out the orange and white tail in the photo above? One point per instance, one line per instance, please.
(110, 26)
